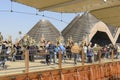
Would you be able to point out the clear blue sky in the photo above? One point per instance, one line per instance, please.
(11, 23)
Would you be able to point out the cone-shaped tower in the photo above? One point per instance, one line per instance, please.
(80, 27)
(44, 30)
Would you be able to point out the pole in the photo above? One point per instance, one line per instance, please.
(82, 57)
(112, 55)
(60, 59)
(99, 54)
(26, 61)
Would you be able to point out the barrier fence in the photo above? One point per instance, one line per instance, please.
(107, 71)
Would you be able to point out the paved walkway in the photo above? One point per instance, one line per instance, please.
(39, 65)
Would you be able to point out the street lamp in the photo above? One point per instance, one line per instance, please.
(20, 33)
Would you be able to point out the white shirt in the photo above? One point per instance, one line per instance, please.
(85, 49)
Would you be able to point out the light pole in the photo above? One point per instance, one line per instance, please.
(20, 33)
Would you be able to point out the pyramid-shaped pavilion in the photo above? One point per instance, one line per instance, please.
(88, 28)
(79, 27)
(44, 29)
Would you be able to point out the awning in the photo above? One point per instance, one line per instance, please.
(109, 15)
(102, 9)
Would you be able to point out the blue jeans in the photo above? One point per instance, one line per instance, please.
(2, 64)
(55, 57)
(117, 55)
(75, 57)
(51, 56)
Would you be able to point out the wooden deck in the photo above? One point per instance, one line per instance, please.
(39, 65)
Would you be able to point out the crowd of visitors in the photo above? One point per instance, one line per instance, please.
(50, 51)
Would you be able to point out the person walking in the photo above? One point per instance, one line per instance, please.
(75, 50)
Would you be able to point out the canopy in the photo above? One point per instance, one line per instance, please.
(106, 10)
(109, 15)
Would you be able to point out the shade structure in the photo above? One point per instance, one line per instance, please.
(69, 5)
(110, 15)
(105, 10)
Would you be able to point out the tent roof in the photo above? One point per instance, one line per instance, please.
(101, 9)
(109, 15)
(69, 5)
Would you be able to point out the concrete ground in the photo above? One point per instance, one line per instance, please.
(39, 65)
